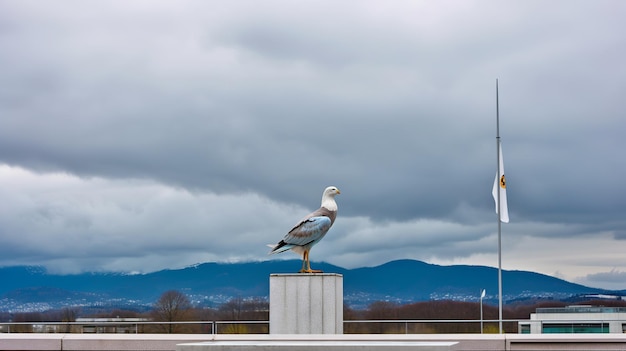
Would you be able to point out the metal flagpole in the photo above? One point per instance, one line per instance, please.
(499, 211)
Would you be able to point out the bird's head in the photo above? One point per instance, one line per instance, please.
(331, 191)
(328, 198)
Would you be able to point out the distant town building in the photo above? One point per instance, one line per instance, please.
(110, 325)
(575, 319)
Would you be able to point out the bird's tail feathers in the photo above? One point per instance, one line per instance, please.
(278, 248)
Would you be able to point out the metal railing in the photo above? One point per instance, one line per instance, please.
(134, 327)
(429, 326)
(404, 326)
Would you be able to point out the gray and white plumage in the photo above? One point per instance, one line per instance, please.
(310, 230)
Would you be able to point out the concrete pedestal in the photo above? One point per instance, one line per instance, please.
(306, 303)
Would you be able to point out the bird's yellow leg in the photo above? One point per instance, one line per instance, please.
(304, 259)
(308, 264)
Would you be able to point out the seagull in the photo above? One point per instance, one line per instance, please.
(310, 230)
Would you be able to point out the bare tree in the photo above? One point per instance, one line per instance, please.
(233, 309)
(172, 306)
(68, 315)
(239, 309)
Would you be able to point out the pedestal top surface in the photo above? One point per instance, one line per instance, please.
(306, 275)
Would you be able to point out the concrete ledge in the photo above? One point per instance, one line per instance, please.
(95, 342)
(169, 342)
(315, 345)
(22, 342)
(566, 342)
(317, 342)
(127, 342)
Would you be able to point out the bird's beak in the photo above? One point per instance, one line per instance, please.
(338, 192)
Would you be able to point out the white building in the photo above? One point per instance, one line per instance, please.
(575, 319)
(110, 325)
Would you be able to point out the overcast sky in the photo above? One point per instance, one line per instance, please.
(142, 135)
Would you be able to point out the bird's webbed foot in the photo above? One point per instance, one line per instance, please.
(311, 271)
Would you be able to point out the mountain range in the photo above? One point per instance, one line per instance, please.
(27, 288)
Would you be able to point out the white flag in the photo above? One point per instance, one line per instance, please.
(501, 185)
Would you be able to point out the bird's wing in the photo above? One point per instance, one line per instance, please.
(308, 230)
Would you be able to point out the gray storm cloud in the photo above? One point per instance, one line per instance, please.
(144, 136)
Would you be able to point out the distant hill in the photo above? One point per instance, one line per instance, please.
(32, 288)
